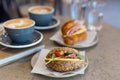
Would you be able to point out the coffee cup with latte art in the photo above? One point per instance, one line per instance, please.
(42, 15)
(19, 29)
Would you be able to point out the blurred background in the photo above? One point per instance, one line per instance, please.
(18, 8)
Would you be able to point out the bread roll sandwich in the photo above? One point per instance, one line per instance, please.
(64, 59)
(73, 31)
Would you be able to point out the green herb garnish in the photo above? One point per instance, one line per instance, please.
(52, 59)
(80, 56)
(67, 53)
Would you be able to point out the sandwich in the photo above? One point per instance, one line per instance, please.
(73, 31)
(63, 59)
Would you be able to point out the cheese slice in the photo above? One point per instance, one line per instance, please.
(63, 59)
(83, 29)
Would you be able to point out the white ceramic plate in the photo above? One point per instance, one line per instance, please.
(95, 41)
(35, 57)
(6, 41)
(53, 24)
(91, 40)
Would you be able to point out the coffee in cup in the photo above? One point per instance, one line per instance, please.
(19, 29)
(39, 10)
(42, 15)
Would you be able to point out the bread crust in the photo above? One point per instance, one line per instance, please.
(73, 39)
(67, 26)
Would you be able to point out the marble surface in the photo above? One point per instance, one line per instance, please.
(104, 58)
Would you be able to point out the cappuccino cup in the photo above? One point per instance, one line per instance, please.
(42, 15)
(20, 29)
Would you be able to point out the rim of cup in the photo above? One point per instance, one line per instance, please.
(19, 28)
(52, 9)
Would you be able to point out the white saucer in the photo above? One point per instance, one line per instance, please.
(34, 60)
(6, 41)
(53, 24)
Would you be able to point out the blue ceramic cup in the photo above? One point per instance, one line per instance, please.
(42, 15)
(20, 29)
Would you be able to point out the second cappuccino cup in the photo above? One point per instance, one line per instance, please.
(42, 15)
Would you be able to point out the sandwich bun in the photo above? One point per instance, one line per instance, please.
(67, 60)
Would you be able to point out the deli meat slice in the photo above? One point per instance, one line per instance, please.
(74, 28)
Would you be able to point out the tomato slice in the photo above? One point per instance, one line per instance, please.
(58, 54)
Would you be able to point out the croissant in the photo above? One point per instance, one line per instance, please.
(73, 31)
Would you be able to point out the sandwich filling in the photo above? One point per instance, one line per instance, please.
(78, 28)
(64, 56)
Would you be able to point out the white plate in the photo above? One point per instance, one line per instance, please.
(91, 40)
(95, 41)
(34, 60)
(55, 22)
(6, 41)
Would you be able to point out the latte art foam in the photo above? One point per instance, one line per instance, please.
(40, 10)
(13, 25)
(19, 23)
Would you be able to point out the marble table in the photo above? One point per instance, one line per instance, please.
(104, 58)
